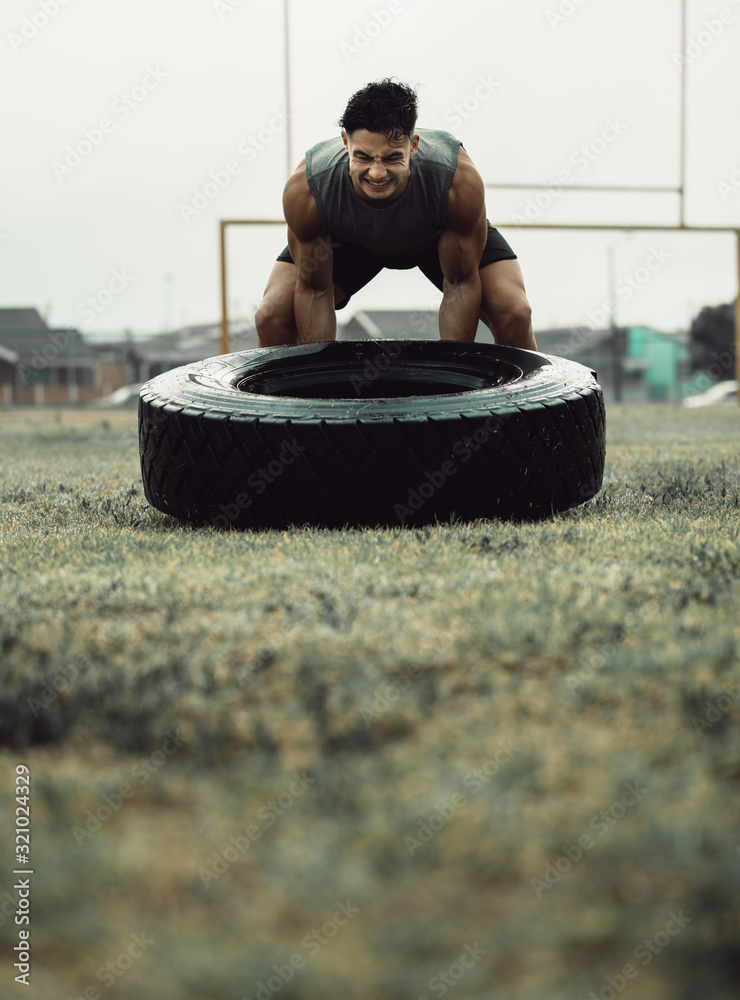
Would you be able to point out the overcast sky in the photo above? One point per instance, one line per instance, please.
(130, 127)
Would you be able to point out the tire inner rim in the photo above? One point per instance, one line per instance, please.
(368, 372)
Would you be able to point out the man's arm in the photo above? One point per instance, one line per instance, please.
(311, 251)
(460, 247)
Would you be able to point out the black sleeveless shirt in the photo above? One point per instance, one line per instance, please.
(409, 224)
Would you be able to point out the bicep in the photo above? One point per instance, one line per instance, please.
(309, 246)
(464, 236)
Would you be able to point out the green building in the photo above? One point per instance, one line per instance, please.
(661, 358)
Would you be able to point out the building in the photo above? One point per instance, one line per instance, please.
(131, 362)
(633, 364)
(663, 359)
(42, 365)
(397, 324)
(8, 365)
(50, 366)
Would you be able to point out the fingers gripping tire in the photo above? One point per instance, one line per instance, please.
(371, 433)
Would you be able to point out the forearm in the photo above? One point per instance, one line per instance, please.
(315, 317)
(460, 310)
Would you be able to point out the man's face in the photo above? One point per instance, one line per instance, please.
(379, 171)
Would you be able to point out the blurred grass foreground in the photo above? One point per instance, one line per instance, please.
(486, 760)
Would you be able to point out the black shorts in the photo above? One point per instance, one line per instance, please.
(354, 266)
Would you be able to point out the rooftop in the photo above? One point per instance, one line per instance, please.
(24, 333)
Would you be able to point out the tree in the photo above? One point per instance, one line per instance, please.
(712, 342)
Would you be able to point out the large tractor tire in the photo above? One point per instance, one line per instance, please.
(371, 433)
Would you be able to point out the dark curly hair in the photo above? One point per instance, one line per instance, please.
(384, 106)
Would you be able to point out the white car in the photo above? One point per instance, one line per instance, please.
(127, 395)
(721, 392)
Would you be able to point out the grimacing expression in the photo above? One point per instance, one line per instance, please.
(379, 170)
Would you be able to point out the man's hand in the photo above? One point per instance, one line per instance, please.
(311, 251)
(460, 248)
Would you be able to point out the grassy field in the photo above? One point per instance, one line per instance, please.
(487, 761)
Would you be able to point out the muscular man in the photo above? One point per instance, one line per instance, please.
(385, 195)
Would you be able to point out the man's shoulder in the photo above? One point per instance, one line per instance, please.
(467, 193)
(299, 205)
(335, 142)
(439, 133)
(325, 155)
(435, 143)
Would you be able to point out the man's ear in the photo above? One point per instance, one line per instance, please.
(345, 140)
(414, 144)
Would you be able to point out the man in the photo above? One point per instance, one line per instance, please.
(384, 195)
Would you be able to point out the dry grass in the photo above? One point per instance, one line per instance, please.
(561, 661)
